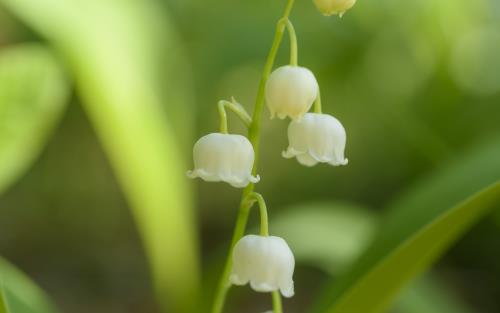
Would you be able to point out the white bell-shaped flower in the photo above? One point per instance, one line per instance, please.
(224, 157)
(331, 7)
(316, 138)
(266, 262)
(290, 91)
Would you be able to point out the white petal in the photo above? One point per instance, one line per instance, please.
(224, 157)
(262, 286)
(238, 280)
(266, 262)
(306, 159)
(316, 138)
(290, 91)
(287, 291)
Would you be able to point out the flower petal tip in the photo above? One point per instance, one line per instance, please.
(191, 174)
(287, 292)
(237, 280)
(254, 179)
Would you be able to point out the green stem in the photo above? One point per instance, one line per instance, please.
(317, 103)
(293, 44)
(224, 284)
(237, 108)
(223, 118)
(264, 225)
(254, 130)
(277, 306)
(254, 137)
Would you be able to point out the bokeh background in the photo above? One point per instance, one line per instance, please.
(415, 83)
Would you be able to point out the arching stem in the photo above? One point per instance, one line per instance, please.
(237, 109)
(293, 43)
(264, 224)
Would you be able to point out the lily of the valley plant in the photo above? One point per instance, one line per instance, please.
(267, 262)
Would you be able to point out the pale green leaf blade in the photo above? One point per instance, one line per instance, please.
(33, 94)
(111, 48)
(19, 294)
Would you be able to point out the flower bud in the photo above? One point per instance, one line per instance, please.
(224, 157)
(331, 7)
(316, 138)
(266, 262)
(290, 91)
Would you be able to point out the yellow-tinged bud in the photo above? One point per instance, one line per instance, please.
(331, 7)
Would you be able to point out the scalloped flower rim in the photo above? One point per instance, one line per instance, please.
(235, 181)
(262, 286)
(309, 158)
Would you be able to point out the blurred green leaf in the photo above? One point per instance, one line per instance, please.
(18, 294)
(112, 47)
(422, 224)
(326, 235)
(429, 295)
(33, 94)
(331, 235)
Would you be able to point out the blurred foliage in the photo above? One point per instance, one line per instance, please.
(33, 94)
(18, 294)
(415, 83)
(403, 250)
(341, 231)
(329, 236)
(430, 295)
(421, 225)
(114, 71)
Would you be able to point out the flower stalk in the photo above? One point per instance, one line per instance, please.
(294, 54)
(277, 305)
(267, 262)
(237, 109)
(254, 137)
(264, 224)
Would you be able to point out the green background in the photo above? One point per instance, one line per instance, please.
(415, 83)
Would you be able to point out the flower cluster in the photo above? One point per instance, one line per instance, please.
(267, 262)
(313, 137)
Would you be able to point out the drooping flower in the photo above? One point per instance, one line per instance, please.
(316, 138)
(224, 157)
(331, 7)
(290, 91)
(266, 262)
